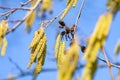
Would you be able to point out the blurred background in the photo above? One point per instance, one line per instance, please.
(19, 40)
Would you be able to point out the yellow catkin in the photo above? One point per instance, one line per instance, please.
(68, 2)
(73, 53)
(61, 53)
(69, 62)
(66, 10)
(100, 33)
(31, 56)
(60, 76)
(33, 40)
(94, 35)
(41, 57)
(37, 36)
(44, 55)
(42, 48)
(34, 54)
(31, 16)
(46, 6)
(96, 41)
(75, 3)
(108, 17)
(30, 20)
(5, 26)
(3, 41)
(1, 34)
(93, 53)
(38, 52)
(100, 27)
(89, 71)
(117, 48)
(4, 46)
(38, 66)
(57, 45)
(40, 62)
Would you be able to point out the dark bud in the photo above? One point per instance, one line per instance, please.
(1, 36)
(83, 48)
(73, 28)
(67, 30)
(41, 1)
(63, 33)
(71, 43)
(61, 26)
(61, 23)
(38, 32)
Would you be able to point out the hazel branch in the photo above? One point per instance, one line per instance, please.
(108, 63)
(19, 23)
(79, 13)
(14, 63)
(15, 9)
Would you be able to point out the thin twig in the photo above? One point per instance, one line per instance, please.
(5, 7)
(19, 23)
(25, 3)
(116, 65)
(15, 9)
(30, 72)
(79, 13)
(17, 66)
(108, 63)
(54, 18)
(14, 21)
(18, 8)
(46, 23)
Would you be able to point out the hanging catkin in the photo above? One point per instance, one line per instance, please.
(99, 35)
(61, 53)
(38, 46)
(4, 46)
(30, 20)
(95, 42)
(30, 17)
(3, 41)
(68, 62)
(37, 36)
(57, 46)
(45, 6)
(69, 4)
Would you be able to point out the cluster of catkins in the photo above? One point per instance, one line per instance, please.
(98, 38)
(38, 50)
(66, 59)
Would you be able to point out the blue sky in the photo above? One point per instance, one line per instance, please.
(19, 40)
